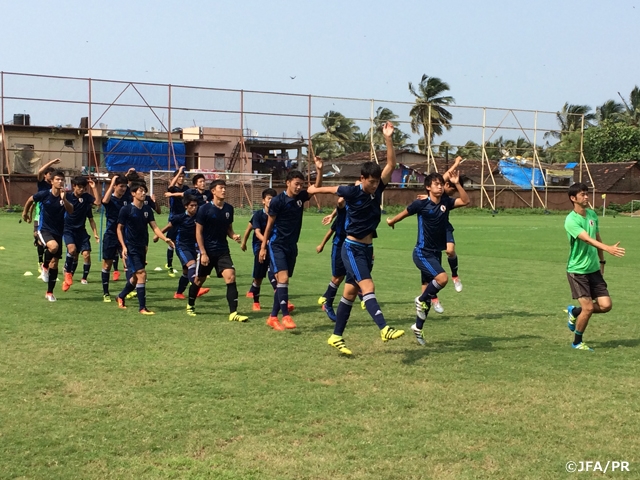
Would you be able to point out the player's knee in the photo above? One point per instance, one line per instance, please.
(87, 256)
(587, 309)
(72, 250)
(141, 276)
(442, 278)
(53, 247)
(605, 306)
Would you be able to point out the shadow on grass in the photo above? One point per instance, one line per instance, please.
(478, 344)
(627, 342)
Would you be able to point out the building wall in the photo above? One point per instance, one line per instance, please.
(213, 148)
(47, 145)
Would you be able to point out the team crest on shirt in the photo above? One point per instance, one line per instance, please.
(299, 203)
(591, 222)
(227, 215)
(443, 208)
(61, 202)
(81, 200)
(146, 214)
(125, 203)
(373, 196)
(146, 202)
(204, 197)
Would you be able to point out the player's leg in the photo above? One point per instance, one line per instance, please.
(71, 258)
(86, 265)
(225, 269)
(187, 260)
(171, 234)
(452, 258)
(199, 272)
(278, 271)
(431, 264)
(349, 294)
(116, 271)
(54, 249)
(260, 271)
(338, 273)
(579, 316)
(106, 268)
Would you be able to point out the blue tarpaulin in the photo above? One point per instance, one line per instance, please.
(122, 154)
(517, 173)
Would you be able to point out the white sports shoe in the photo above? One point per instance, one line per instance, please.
(419, 335)
(50, 297)
(437, 306)
(44, 276)
(457, 284)
(420, 309)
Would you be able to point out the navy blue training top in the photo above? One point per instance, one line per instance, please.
(363, 209)
(186, 226)
(43, 185)
(51, 212)
(82, 209)
(203, 197)
(433, 219)
(176, 205)
(258, 221)
(135, 221)
(215, 222)
(112, 210)
(288, 212)
(339, 226)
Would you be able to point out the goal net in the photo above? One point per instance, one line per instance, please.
(244, 190)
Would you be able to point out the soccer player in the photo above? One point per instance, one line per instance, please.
(199, 190)
(281, 235)
(133, 236)
(113, 201)
(214, 223)
(585, 268)
(433, 218)
(363, 217)
(258, 224)
(53, 206)
(338, 270)
(176, 207)
(75, 234)
(44, 177)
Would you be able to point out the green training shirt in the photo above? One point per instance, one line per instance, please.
(583, 258)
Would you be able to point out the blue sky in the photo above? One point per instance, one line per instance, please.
(512, 54)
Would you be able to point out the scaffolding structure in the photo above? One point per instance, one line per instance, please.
(103, 98)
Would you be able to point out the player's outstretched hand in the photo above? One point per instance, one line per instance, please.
(55, 161)
(615, 250)
(319, 163)
(319, 248)
(327, 219)
(390, 223)
(387, 129)
(156, 238)
(91, 183)
(454, 176)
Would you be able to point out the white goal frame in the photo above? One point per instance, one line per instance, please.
(635, 207)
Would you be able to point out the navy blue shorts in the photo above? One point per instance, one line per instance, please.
(337, 265)
(136, 260)
(260, 269)
(450, 235)
(358, 261)
(283, 258)
(186, 254)
(79, 237)
(429, 264)
(111, 248)
(172, 233)
(220, 263)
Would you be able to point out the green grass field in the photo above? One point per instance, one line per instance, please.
(91, 391)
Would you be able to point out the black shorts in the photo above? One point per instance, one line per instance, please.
(260, 269)
(429, 264)
(283, 258)
(591, 285)
(79, 237)
(358, 261)
(111, 247)
(136, 260)
(46, 236)
(220, 262)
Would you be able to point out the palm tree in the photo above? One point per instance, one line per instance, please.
(445, 148)
(570, 120)
(339, 128)
(400, 139)
(632, 109)
(609, 111)
(470, 150)
(430, 103)
(359, 143)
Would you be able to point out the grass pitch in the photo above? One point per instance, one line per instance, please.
(90, 391)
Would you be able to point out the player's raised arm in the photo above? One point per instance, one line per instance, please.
(107, 194)
(447, 175)
(45, 166)
(387, 131)
(319, 164)
(614, 250)
(398, 218)
(463, 199)
(94, 191)
(312, 190)
(67, 205)
(174, 180)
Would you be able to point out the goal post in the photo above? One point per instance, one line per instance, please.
(244, 190)
(635, 208)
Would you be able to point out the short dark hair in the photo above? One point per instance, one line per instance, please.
(428, 180)
(217, 182)
(188, 198)
(133, 176)
(48, 170)
(175, 174)
(268, 192)
(121, 180)
(370, 170)
(576, 188)
(294, 174)
(196, 177)
(80, 181)
(135, 186)
(58, 173)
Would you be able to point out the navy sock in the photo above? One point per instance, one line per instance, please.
(453, 264)
(578, 337)
(232, 297)
(330, 294)
(85, 270)
(272, 280)
(142, 295)
(47, 258)
(128, 288)
(115, 263)
(431, 291)
(105, 281)
(68, 263)
(371, 302)
(193, 294)
(342, 316)
(183, 281)
(419, 321)
(255, 289)
(53, 276)
(276, 304)
(170, 257)
(283, 297)
(128, 274)
(191, 273)
(74, 266)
